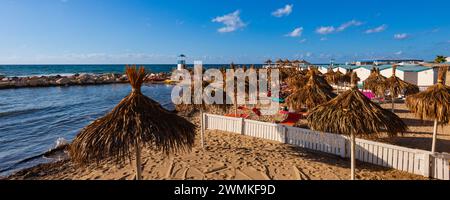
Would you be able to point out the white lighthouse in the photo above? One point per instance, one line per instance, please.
(181, 63)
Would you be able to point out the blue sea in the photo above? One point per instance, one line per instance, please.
(40, 70)
(33, 120)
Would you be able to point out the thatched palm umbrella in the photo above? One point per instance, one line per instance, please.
(376, 82)
(136, 121)
(333, 77)
(320, 78)
(329, 76)
(287, 62)
(434, 103)
(279, 62)
(311, 95)
(268, 62)
(352, 113)
(297, 81)
(397, 86)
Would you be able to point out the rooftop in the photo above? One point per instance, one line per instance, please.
(413, 68)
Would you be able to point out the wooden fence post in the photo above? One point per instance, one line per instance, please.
(343, 148)
(427, 166)
(243, 126)
(286, 140)
(202, 128)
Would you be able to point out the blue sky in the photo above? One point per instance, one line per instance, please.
(150, 31)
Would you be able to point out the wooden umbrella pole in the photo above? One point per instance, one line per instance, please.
(433, 145)
(202, 128)
(392, 101)
(352, 155)
(235, 105)
(138, 162)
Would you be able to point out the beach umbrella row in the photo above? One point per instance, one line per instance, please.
(434, 104)
(351, 113)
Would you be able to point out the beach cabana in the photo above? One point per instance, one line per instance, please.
(136, 122)
(434, 104)
(351, 113)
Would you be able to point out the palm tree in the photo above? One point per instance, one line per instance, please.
(440, 59)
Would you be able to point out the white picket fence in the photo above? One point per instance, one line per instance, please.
(401, 158)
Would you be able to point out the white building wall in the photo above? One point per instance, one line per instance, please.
(399, 74)
(362, 73)
(411, 77)
(323, 70)
(387, 72)
(427, 78)
(343, 70)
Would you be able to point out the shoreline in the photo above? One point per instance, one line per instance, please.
(83, 79)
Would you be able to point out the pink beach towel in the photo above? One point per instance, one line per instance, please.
(369, 95)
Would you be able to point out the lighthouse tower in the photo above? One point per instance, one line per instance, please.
(181, 63)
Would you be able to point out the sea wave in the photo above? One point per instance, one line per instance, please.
(20, 112)
(58, 152)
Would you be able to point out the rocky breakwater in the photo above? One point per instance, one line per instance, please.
(48, 81)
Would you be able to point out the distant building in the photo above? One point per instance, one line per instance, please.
(389, 62)
(181, 63)
(447, 59)
(419, 75)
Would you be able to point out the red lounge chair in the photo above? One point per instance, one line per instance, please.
(291, 119)
(245, 116)
(257, 112)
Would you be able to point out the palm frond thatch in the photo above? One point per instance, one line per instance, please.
(136, 120)
(376, 83)
(296, 82)
(397, 86)
(353, 113)
(311, 95)
(434, 103)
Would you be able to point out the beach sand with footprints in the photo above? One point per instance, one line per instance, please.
(226, 156)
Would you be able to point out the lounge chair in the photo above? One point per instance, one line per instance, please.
(292, 119)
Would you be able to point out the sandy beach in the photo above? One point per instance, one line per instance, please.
(228, 157)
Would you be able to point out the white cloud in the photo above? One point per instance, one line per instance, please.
(325, 30)
(398, 53)
(283, 11)
(303, 41)
(377, 29)
(231, 21)
(296, 32)
(323, 39)
(348, 24)
(401, 36)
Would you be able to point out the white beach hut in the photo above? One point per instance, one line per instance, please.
(419, 75)
(363, 72)
(323, 68)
